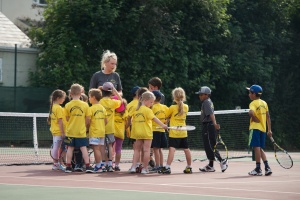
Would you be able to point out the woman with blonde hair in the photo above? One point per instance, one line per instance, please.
(108, 72)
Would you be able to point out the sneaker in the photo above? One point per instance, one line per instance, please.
(155, 169)
(110, 169)
(207, 168)
(55, 167)
(188, 170)
(68, 170)
(104, 168)
(151, 163)
(139, 168)
(117, 168)
(224, 165)
(89, 169)
(78, 168)
(132, 170)
(62, 167)
(97, 169)
(255, 172)
(144, 171)
(165, 170)
(268, 172)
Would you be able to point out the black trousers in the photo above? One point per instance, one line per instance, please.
(209, 135)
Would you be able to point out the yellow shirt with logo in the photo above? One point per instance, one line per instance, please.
(142, 123)
(97, 125)
(57, 113)
(76, 111)
(177, 120)
(160, 111)
(260, 109)
(120, 121)
(110, 105)
(131, 107)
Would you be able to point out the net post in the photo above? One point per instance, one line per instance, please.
(35, 138)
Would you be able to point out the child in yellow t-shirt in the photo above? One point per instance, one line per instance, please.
(77, 115)
(97, 126)
(178, 139)
(57, 123)
(142, 130)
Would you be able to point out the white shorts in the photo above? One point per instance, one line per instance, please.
(96, 141)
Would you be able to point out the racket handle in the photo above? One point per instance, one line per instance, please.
(272, 140)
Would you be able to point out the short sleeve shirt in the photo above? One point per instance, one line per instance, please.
(207, 109)
(260, 109)
(177, 120)
(99, 78)
(142, 123)
(97, 125)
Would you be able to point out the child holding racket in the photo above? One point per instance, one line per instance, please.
(159, 135)
(108, 90)
(178, 138)
(77, 114)
(97, 126)
(57, 122)
(259, 118)
(209, 130)
(142, 130)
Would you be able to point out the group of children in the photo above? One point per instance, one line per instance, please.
(144, 120)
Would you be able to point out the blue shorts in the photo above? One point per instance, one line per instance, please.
(257, 138)
(76, 142)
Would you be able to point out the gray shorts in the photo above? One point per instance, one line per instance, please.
(110, 138)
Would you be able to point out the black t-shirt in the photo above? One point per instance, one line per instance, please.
(99, 78)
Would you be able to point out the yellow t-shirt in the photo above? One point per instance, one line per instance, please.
(120, 121)
(131, 107)
(142, 123)
(177, 120)
(110, 105)
(260, 109)
(57, 113)
(160, 111)
(77, 111)
(97, 125)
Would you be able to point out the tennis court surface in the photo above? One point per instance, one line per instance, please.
(40, 182)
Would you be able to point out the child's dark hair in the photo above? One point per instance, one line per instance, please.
(155, 81)
(95, 93)
(107, 93)
(141, 91)
(56, 94)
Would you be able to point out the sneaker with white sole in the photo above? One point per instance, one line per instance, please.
(89, 169)
(68, 170)
(144, 171)
(255, 172)
(164, 170)
(78, 168)
(188, 170)
(207, 168)
(268, 171)
(97, 169)
(224, 165)
(55, 167)
(110, 169)
(132, 170)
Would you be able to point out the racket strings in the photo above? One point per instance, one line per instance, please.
(284, 159)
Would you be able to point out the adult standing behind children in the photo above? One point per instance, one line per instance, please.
(209, 130)
(77, 114)
(259, 118)
(108, 72)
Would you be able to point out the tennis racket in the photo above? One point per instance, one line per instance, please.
(282, 156)
(220, 149)
(180, 128)
(62, 152)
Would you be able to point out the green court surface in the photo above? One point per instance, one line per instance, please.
(25, 192)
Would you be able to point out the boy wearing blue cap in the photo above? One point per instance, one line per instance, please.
(259, 118)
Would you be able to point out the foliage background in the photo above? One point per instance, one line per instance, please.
(224, 44)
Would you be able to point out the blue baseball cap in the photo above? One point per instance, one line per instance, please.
(134, 89)
(255, 89)
(157, 93)
(204, 90)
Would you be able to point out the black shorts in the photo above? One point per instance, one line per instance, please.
(178, 143)
(159, 140)
(76, 142)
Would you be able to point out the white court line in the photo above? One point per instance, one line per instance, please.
(166, 184)
(141, 191)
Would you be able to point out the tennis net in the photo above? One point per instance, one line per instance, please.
(25, 138)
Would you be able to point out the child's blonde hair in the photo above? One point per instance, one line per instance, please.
(145, 96)
(107, 55)
(95, 93)
(76, 89)
(179, 97)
